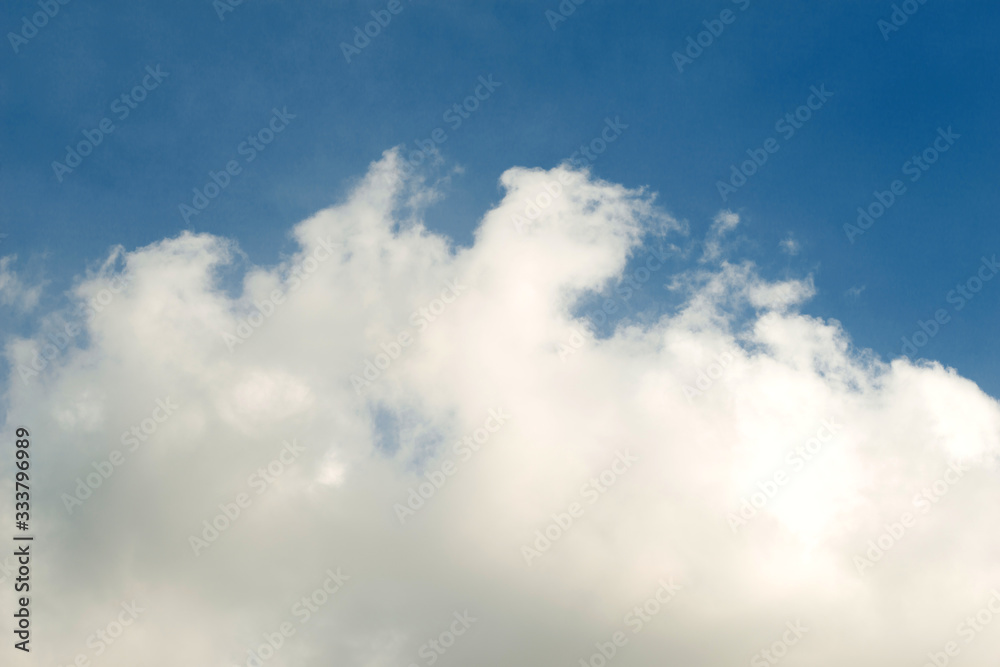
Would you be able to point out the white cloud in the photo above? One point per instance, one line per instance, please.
(13, 292)
(790, 246)
(855, 291)
(495, 346)
(722, 224)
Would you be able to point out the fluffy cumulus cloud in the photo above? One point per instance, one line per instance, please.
(389, 450)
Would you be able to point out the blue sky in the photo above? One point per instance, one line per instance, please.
(462, 441)
(557, 86)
